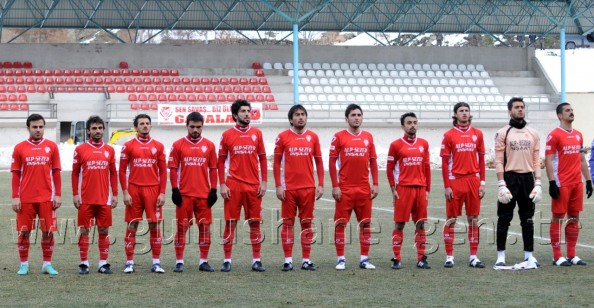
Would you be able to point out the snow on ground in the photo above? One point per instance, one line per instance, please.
(579, 68)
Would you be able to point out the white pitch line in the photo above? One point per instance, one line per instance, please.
(486, 228)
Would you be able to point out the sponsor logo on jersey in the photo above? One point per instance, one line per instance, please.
(254, 137)
(154, 150)
(422, 149)
(474, 138)
(106, 154)
(47, 149)
(204, 148)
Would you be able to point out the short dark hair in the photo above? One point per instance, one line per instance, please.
(560, 107)
(194, 117)
(34, 117)
(94, 119)
(406, 115)
(512, 100)
(141, 116)
(294, 109)
(237, 104)
(350, 108)
(458, 106)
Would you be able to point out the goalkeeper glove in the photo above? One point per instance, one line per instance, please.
(212, 197)
(504, 195)
(176, 196)
(553, 189)
(589, 188)
(536, 194)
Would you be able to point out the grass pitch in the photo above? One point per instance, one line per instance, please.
(547, 286)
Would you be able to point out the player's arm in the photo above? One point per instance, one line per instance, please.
(276, 168)
(113, 181)
(482, 165)
(427, 165)
(536, 156)
(586, 174)
(223, 152)
(335, 149)
(500, 148)
(445, 174)
(320, 171)
(390, 167)
(75, 178)
(122, 173)
(374, 170)
(263, 166)
(551, 150)
(591, 161)
(57, 177)
(16, 179)
(162, 165)
(212, 175)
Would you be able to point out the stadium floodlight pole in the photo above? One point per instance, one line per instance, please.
(295, 63)
(562, 47)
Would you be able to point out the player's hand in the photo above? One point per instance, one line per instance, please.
(553, 190)
(482, 191)
(394, 194)
(280, 193)
(448, 193)
(426, 195)
(374, 191)
(212, 197)
(160, 200)
(536, 193)
(589, 188)
(319, 192)
(176, 196)
(504, 196)
(114, 202)
(262, 189)
(225, 192)
(76, 201)
(16, 204)
(127, 198)
(336, 193)
(57, 202)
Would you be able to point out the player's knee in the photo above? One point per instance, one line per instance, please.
(103, 230)
(84, 231)
(451, 221)
(573, 215)
(288, 222)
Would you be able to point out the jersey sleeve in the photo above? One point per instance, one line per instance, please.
(446, 149)
(391, 165)
(551, 144)
(75, 171)
(500, 149)
(56, 164)
(278, 155)
(173, 161)
(16, 164)
(335, 146)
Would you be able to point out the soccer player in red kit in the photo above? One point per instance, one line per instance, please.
(354, 152)
(193, 175)
(463, 171)
(242, 151)
(566, 164)
(295, 150)
(94, 192)
(36, 191)
(143, 189)
(409, 175)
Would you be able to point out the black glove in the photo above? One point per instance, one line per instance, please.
(212, 197)
(589, 188)
(553, 189)
(176, 196)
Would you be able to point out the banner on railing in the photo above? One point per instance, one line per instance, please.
(170, 114)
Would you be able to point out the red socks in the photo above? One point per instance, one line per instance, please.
(228, 238)
(555, 233)
(397, 237)
(287, 239)
(155, 237)
(129, 243)
(256, 239)
(572, 232)
(420, 241)
(204, 240)
(83, 247)
(47, 247)
(23, 247)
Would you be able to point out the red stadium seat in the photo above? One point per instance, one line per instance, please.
(89, 80)
(128, 80)
(29, 80)
(181, 97)
(142, 97)
(135, 72)
(227, 89)
(246, 89)
(123, 64)
(23, 98)
(155, 72)
(51, 80)
(224, 81)
(11, 89)
(164, 72)
(178, 89)
(67, 80)
(273, 106)
(169, 89)
(7, 64)
(195, 80)
(256, 65)
(9, 73)
(145, 106)
(260, 73)
(204, 80)
(14, 107)
(2, 89)
(159, 89)
(87, 72)
(192, 98)
(21, 89)
(253, 81)
(230, 97)
(171, 97)
(162, 98)
(207, 89)
(221, 98)
(157, 80)
(214, 80)
(106, 80)
(39, 80)
(137, 80)
(106, 72)
(174, 72)
(134, 106)
(18, 73)
(2, 80)
(126, 72)
(175, 80)
(96, 72)
(17, 64)
(243, 81)
(149, 89)
(185, 80)
(27, 64)
(266, 89)
(139, 88)
(111, 89)
(152, 97)
(147, 80)
(118, 80)
(259, 98)
(250, 98)
(41, 89)
(188, 89)
(262, 81)
(120, 89)
(154, 106)
(48, 73)
(12, 98)
(166, 80)
(270, 98)
(132, 97)
(145, 72)
(9, 80)
(217, 89)
(4, 107)
(31, 89)
(211, 98)
(3, 98)
(38, 72)
(201, 98)
(27, 72)
(130, 89)
(78, 80)
(233, 81)
(256, 89)
(116, 72)
(198, 89)
(240, 96)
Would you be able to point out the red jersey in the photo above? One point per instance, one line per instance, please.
(567, 148)
(241, 151)
(463, 148)
(409, 163)
(94, 172)
(354, 153)
(194, 162)
(36, 163)
(147, 164)
(295, 153)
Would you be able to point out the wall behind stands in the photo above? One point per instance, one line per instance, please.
(583, 106)
(241, 56)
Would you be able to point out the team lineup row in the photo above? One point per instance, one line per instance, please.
(241, 169)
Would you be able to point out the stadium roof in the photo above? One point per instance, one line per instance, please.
(410, 16)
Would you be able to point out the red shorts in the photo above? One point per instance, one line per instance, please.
(144, 198)
(47, 217)
(412, 200)
(356, 199)
(571, 199)
(91, 214)
(246, 196)
(193, 210)
(300, 200)
(466, 191)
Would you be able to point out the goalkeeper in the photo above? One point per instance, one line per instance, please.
(517, 162)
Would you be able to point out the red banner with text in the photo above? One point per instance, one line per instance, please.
(213, 114)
